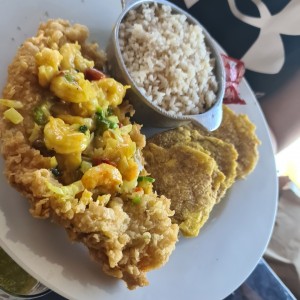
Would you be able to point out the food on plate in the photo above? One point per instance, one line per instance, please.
(223, 153)
(70, 148)
(225, 156)
(182, 161)
(168, 59)
(192, 180)
(239, 131)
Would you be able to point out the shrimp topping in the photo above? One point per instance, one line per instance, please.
(104, 175)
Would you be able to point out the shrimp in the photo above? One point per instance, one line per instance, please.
(103, 175)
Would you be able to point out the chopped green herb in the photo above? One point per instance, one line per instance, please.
(69, 77)
(136, 200)
(110, 111)
(41, 114)
(55, 172)
(100, 113)
(113, 125)
(13, 116)
(11, 103)
(83, 128)
(145, 178)
(102, 121)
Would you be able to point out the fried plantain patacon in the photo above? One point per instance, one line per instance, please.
(190, 178)
(239, 131)
(222, 152)
(232, 149)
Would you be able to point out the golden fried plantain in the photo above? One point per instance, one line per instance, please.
(189, 177)
(222, 152)
(232, 149)
(239, 131)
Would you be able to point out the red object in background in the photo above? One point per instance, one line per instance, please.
(235, 70)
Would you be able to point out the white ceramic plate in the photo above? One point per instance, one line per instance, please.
(208, 267)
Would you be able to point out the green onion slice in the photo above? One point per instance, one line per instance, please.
(145, 178)
(136, 200)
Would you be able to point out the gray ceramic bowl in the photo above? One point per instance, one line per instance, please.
(146, 112)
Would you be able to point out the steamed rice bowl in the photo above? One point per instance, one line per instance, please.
(168, 59)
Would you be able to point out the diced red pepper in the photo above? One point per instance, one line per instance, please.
(92, 74)
(98, 161)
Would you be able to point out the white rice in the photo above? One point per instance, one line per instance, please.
(168, 59)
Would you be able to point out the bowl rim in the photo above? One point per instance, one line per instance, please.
(216, 108)
(42, 293)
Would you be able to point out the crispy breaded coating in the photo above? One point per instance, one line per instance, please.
(190, 178)
(128, 239)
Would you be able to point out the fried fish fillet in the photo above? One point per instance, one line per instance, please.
(239, 131)
(189, 177)
(127, 239)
